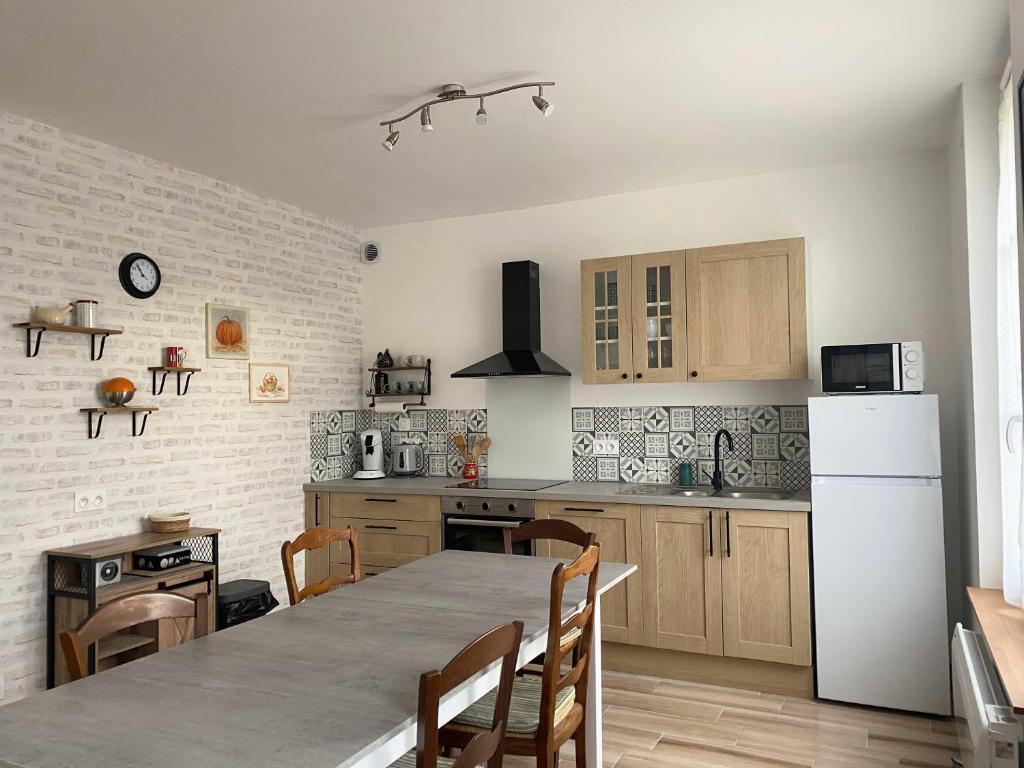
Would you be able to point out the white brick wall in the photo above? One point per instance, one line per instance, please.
(70, 209)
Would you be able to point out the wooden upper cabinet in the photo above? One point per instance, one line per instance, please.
(682, 580)
(766, 586)
(658, 299)
(605, 321)
(746, 311)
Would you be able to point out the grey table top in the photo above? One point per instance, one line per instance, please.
(316, 685)
(600, 493)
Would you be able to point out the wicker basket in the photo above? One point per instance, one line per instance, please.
(170, 523)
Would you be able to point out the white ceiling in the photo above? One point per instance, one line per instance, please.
(283, 97)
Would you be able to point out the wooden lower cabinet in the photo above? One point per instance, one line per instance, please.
(393, 530)
(617, 527)
(766, 586)
(730, 583)
(682, 580)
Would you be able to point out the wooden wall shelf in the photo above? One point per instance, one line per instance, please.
(32, 350)
(72, 594)
(165, 369)
(374, 395)
(134, 410)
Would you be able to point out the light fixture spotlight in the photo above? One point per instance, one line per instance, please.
(454, 92)
(545, 107)
(391, 140)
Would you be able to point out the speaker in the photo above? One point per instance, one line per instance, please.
(108, 571)
(369, 252)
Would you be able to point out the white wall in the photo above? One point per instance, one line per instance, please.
(974, 176)
(878, 268)
(70, 209)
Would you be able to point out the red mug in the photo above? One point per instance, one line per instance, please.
(175, 356)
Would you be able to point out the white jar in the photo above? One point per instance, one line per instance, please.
(85, 313)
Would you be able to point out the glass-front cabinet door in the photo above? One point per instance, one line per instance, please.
(659, 316)
(606, 321)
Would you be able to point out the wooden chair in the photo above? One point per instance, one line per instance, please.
(316, 538)
(486, 746)
(558, 530)
(125, 612)
(549, 709)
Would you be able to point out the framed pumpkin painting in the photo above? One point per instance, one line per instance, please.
(269, 383)
(227, 332)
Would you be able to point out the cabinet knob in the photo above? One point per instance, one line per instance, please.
(639, 375)
(693, 374)
(625, 375)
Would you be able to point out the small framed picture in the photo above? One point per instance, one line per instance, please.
(269, 383)
(227, 332)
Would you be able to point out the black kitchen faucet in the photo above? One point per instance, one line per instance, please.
(716, 478)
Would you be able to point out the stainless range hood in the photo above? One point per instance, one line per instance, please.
(520, 316)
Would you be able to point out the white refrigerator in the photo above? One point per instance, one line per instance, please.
(879, 560)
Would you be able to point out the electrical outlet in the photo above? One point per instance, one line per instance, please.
(607, 444)
(404, 424)
(90, 500)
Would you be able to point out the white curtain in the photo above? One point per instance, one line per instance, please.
(1009, 359)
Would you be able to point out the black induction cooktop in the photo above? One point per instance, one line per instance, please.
(505, 484)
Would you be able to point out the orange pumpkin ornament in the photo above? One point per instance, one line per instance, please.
(229, 332)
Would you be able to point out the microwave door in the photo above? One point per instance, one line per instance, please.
(861, 368)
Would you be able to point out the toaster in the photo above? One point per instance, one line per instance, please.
(407, 460)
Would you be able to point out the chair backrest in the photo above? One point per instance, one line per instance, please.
(559, 530)
(125, 612)
(316, 538)
(503, 643)
(574, 636)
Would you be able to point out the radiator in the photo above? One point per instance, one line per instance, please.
(989, 733)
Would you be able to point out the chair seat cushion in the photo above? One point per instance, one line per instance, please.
(408, 760)
(524, 709)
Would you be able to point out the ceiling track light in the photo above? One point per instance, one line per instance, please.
(454, 92)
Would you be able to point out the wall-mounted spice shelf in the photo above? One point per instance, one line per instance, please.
(32, 350)
(166, 369)
(374, 395)
(134, 410)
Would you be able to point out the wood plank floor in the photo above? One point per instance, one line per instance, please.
(655, 723)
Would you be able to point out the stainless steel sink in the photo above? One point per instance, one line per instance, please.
(773, 494)
(692, 492)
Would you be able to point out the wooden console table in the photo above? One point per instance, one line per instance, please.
(72, 593)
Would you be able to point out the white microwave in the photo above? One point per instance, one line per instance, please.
(896, 366)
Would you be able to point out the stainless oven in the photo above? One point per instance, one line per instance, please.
(478, 524)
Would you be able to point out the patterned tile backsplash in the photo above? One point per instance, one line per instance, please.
(635, 444)
(334, 438)
(648, 444)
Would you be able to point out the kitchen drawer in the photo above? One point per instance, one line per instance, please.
(389, 543)
(389, 506)
(342, 569)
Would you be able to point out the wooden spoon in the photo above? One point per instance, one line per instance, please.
(481, 447)
(460, 443)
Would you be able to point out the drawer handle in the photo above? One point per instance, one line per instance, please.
(711, 535)
(383, 527)
(383, 501)
(583, 509)
(728, 536)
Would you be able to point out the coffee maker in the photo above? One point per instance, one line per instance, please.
(372, 444)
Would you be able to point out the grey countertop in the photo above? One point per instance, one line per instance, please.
(601, 493)
(320, 685)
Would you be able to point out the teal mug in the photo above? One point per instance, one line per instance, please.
(686, 475)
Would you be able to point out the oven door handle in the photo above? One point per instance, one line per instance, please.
(483, 523)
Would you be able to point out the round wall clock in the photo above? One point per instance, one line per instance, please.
(140, 276)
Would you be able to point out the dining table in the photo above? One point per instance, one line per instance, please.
(329, 683)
